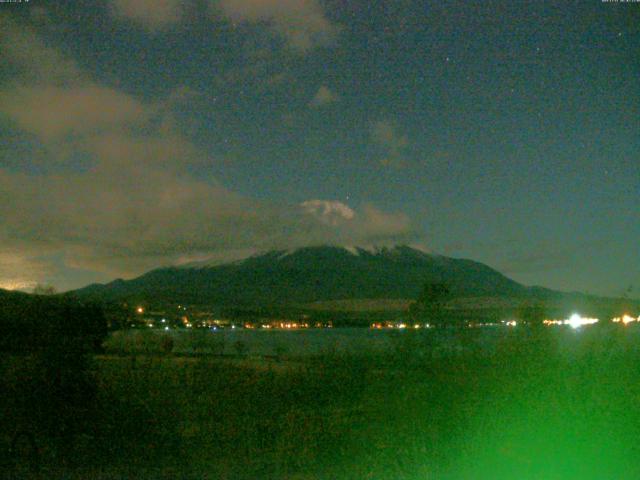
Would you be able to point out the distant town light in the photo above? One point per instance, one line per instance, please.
(625, 319)
(576, 321)
(553, 322)
(140, 310)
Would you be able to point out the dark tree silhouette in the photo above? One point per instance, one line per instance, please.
(532, 313)
(430, 304)
(32, 323)
(44, 290)
(49, 383)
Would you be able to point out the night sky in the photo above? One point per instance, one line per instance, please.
(141, 133)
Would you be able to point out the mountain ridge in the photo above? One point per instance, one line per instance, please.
(312, 274)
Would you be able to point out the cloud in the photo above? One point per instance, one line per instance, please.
(328, 212)
(127, 212)
(381, 225)
(363, 226)
(52, 112)
(31, 59)
(126, 218)
(134, 205)
(152, 15)
(392, 143)
(19, 270)
(322, 97)
(302, 23)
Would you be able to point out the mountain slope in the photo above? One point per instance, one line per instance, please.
(311, 274)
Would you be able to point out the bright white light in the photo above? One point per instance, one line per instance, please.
(511, 323)
(576, 321)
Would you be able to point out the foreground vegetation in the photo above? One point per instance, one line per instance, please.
(547, 403)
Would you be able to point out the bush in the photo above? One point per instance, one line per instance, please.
(167, 344)
(31, 323)
(48, 380)
(241, 348)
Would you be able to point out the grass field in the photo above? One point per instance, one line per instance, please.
(547, 404)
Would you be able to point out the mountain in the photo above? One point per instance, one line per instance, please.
(312, 274)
